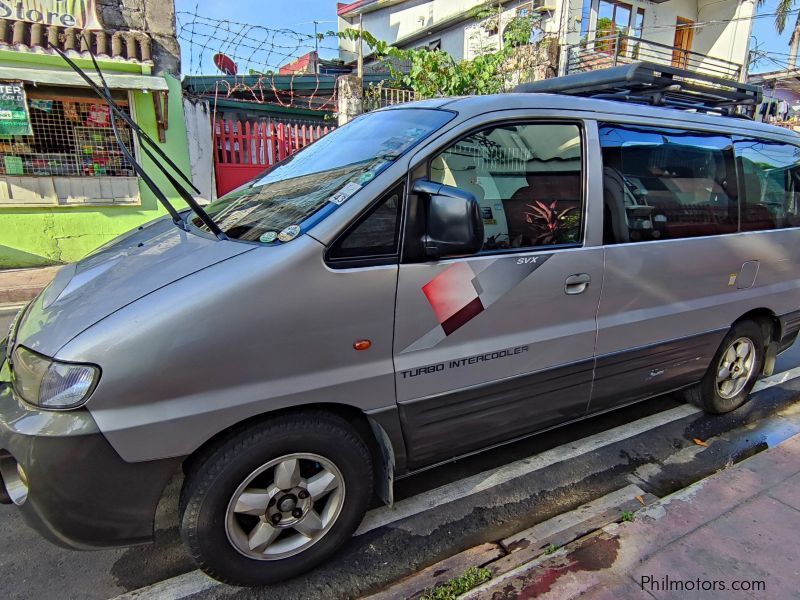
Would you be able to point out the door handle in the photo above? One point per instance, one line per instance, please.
(577, 284)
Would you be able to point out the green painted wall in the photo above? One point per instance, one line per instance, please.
(49, 235)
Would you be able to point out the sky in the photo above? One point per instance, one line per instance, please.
(264, 50)
(766, 38)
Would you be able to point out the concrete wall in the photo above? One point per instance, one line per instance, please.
(154, 17)
(201, 145)
(730, 41)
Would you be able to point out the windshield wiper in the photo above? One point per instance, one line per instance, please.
(148, 146)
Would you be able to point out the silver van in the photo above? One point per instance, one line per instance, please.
(428, 281)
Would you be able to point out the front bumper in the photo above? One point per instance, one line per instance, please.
(81, 494)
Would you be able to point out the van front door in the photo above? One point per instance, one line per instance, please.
(493, 346)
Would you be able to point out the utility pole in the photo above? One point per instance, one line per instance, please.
(793, 46)
(499, 24)
(316, 49)
(360, 45)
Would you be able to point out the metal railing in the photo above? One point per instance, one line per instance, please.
(377, 96)
(613, 50)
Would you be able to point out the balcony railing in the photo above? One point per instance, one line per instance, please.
(610, 51)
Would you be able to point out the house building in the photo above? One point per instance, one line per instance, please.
(705, 35)
(65, 187)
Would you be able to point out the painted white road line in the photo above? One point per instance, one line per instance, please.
(195, 582)
(174, 588)
(488, 479)
(776, 379)
(474, 484)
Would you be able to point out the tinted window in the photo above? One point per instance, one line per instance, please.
(375, 235)
(527, 179)
(770, 175)
(666, 184)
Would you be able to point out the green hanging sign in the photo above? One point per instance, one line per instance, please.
(14, 118)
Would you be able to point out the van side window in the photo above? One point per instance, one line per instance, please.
(662, 184)
(527, 179)
(375, 235)
(770, 175)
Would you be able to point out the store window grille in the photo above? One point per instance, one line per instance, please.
(72, 137)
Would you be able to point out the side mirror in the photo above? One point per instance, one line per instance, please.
(454, 222)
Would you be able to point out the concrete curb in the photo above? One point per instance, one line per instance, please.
(604, 560)
(523, 547)
(18, 286)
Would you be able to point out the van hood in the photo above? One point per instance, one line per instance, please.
(128, 268)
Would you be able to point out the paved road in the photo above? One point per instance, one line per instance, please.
(32, 568)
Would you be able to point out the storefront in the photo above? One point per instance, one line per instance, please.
(65, 186)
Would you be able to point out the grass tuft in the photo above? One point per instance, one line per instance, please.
(453, 588)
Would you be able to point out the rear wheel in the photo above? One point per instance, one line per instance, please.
(276, 499)
(733, 371)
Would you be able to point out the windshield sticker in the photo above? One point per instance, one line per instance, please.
(268, 237)
(343, 194)
(288, 234)
(366, 177)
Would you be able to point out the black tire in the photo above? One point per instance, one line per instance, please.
(706, 395)
(216, 475)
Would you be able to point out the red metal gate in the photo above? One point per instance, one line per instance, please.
(242, 150)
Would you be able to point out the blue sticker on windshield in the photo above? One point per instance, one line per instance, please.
(268, 237)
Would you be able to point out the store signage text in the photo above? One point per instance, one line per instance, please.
(14, 118)
(66, 13)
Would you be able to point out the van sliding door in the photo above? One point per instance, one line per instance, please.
(669, 296)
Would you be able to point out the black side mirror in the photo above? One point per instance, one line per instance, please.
(454, 222)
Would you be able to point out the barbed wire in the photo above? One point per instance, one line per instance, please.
(258, 52)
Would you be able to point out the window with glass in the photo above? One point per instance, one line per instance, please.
(322, 175)
(376, 235)
(527, 178)
(662, 184)
(71, 135)
(615, 22)
(770, 176)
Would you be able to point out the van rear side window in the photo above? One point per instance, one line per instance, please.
(770, 175)
(662, 184)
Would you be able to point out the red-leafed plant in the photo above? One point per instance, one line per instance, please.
(548, 222)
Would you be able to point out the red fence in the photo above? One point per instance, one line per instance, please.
(242, 150)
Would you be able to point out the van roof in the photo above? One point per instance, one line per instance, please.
(564, 106)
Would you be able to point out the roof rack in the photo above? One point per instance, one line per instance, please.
(658, 85)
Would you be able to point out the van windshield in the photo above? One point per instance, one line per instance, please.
(322, 175)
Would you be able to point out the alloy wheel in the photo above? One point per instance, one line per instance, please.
(736, 367)
(285, 506)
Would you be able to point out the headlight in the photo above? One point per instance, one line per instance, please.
(49, 383)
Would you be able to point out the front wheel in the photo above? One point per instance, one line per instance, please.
(733, 371)
(276, 499)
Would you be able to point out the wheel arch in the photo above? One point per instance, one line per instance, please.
(771, 327)
(380, 433)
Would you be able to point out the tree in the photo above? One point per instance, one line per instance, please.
(782, 12)
(432, 73)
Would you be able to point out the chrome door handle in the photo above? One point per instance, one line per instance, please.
(577, 284)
